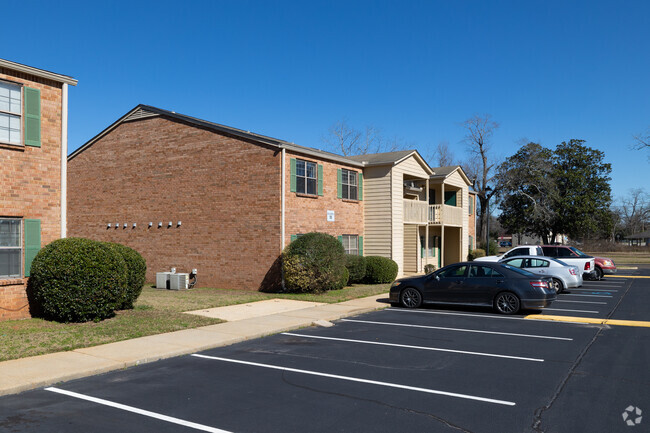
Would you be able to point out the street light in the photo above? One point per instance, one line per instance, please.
(487, 220)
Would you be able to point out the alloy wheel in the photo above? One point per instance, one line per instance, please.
(411, 298)
(507, 303)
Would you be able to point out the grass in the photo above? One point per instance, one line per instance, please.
(624, 258)
(155, 312)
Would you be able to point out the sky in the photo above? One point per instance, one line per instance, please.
(546, 71)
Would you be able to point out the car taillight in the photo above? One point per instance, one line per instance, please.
(539, 284)
(587, 266)
(572, 271)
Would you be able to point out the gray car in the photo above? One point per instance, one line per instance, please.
(564, 276)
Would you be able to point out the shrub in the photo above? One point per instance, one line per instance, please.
(77, 280)
(380, 270)
(345, 278)
(356, 266)
(474, 254)
(429, 268)
(315, 262)
(136, 273)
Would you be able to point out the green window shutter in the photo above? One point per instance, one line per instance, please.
(471, 205)
(32, 242)
(450, 198)
(421, 247)
(360, 245)
(360, 186)
(339, 183)
(294, 237)
(293, 174)
(320, 179)
(32, 117)
(341, 239)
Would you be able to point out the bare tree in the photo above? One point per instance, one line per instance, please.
(350, 141)
(634, 211)
(478, 132)
(642, 141)
(443, 155)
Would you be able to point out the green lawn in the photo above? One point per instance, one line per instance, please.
(155, 312)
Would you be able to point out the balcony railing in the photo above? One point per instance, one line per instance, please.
(419, 212)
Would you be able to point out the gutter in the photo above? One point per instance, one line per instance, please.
(64, 159)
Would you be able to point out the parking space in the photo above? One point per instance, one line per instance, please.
(394, 370)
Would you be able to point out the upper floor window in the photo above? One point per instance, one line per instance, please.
(349, 184)
(306, 179)
(10, 248)
(10, 113)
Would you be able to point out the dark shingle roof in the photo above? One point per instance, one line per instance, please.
(382, 158)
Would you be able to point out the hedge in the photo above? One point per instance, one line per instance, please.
(380, 270)
(136, 273)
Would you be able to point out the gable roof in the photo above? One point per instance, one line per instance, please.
(444, 172)
(142, 111)
(37, 72)
(391, 158)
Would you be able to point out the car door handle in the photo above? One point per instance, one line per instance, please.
(499, 281)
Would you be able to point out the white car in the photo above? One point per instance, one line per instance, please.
(522, 250)
(564, 276)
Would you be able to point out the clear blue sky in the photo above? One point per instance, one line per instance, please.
(547, 71)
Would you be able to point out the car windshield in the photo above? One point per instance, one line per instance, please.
(517, 270)
(578, 252)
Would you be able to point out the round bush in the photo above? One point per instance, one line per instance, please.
(345, 278)
(474, 254)
(136, 273)
(428, 268)
(77, 280)
(315, 262)
(356, 266)
(380, 270)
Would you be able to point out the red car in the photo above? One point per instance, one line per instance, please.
(604, 266)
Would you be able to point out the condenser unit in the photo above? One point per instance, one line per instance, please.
(162, 280)
(179, 281)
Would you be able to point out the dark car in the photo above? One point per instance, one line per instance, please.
(505, 288)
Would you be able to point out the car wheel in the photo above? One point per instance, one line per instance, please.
(599, 273)
(410, 298)
(558, 286)
(507, 303)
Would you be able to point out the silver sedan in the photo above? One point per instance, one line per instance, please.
(564, 276)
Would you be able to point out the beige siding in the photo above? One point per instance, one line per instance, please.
(457, 180)
(377, 211)
(410, 249)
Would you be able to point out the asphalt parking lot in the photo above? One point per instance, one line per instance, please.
(394, 370)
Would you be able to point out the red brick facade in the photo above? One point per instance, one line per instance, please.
(224, 190)
(30, 181)
(306, 213)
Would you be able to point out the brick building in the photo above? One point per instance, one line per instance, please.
(33, 150)
(192, 194)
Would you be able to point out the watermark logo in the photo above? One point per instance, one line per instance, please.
(632, 416)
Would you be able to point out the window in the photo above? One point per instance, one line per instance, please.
(519, 263)
(10, 113)
(471, 205)
(477, 271)
(351, 244)
(454, 271)
(10, 248)
(306, 179)
(538, 263)
(517, 252)
(349, 183)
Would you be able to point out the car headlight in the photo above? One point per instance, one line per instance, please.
(607, 262)
(396, 283)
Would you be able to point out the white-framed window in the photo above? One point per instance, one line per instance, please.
(349, 184)
(11, 248)
(306, 177)
(11, 113)
(351, 244)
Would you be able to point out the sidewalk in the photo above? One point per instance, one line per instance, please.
(246, 321)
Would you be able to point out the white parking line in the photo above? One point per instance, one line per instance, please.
(132, 409)
(396, 310)
(597, 290)
(478, 331)
(591, 296)
(356, 379)
(581, 302)
(575, 311)
(406, 346)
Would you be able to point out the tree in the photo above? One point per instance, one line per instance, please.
(528, 192)
(584, 194)
(478, 132)
(343, 138)
(642, 141)
(634, 211)
(443, 156)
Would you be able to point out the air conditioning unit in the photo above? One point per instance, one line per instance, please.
(179, 281)
(162, 280)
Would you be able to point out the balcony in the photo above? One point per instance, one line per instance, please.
(419, 212)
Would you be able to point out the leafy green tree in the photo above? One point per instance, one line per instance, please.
(584, 193)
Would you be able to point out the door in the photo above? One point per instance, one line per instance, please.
(446, 286)
(480, 285)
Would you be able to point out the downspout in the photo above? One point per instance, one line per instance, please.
(282, 188)
(64, 159)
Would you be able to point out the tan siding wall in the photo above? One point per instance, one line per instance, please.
(457, 181)
(410, 248)
(377, 211)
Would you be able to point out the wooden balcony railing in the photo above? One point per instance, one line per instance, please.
(419, 212)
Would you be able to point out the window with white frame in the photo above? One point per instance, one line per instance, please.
(351, 244)
(10, 113)
(10, 248)
(349, 184)
(306, 179)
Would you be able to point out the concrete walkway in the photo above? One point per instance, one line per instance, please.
(246, 321)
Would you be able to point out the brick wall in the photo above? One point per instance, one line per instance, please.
(225, 191)
(13, 300)
(305, 214)
(30, 178)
